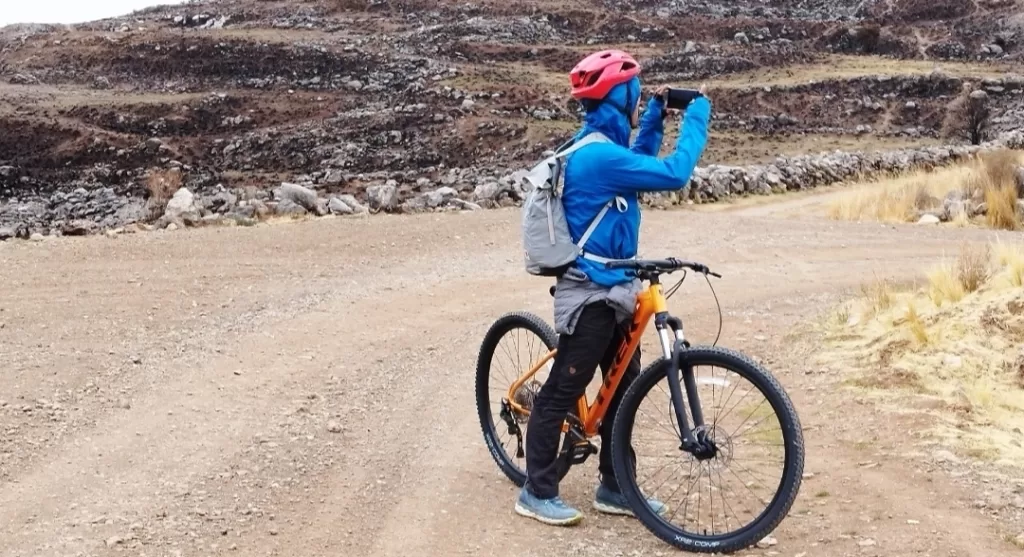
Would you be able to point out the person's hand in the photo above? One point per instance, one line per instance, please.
(662, 93)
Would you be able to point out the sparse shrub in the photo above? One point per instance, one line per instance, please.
(972, 267)
(1000, 167)
(161, 185)
(969, 117)
(878, 295)
(950, 282)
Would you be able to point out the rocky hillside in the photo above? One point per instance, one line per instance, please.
(415, 105)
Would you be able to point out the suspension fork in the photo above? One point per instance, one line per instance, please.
(672, 349)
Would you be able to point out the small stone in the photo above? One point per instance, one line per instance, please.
(114, 540)
(37, 237)
(929, 219)
(913, 522)
(334, 427)
(767, 541)
(273, 531)
(124, 404)
(172, 227)
(468, 104)
(867, 543)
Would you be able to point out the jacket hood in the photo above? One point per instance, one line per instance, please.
(611, 116)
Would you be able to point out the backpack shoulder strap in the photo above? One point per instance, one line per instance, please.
(591, 137)
(557, 161)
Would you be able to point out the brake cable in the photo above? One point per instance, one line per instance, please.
(718, 304)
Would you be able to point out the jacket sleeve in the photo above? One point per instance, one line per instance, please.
(626, 171)
(652, 129)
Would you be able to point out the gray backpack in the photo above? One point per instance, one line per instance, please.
(549, 249)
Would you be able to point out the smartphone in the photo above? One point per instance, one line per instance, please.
(679, 99)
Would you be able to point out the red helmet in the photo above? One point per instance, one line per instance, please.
(596, 74)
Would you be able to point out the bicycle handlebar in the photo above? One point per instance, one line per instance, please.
(660, 265)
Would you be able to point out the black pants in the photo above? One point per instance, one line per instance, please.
(594, 342)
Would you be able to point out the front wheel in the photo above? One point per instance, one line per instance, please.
(735, 494)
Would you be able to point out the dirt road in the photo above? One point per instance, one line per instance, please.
(306, 389)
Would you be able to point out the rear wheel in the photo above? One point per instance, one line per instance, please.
(735, 494)
(511, 347)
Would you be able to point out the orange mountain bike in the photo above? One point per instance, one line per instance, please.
(685, 432)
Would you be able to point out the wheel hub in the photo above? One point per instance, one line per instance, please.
(704, 446)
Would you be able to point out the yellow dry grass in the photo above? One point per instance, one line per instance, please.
(951, 348)
(989, 177)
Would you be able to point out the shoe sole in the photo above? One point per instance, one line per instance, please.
(523, 511)
(610, 509)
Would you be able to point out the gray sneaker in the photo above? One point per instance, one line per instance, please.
(613, 502)
(549, 511)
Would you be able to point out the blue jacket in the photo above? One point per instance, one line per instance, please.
(599, 172)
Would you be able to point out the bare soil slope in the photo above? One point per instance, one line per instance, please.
(345, 94)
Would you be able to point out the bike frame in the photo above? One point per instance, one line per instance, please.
(650, 303)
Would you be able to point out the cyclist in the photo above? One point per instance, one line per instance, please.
(592, 302)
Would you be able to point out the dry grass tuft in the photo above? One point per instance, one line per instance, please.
(950, 350)
(943, 285)
(1002, 207)
(1011, 260)
(990, 177)
(950, 282)
(916, 326)
(878, 295)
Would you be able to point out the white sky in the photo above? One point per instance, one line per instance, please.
(70, 11)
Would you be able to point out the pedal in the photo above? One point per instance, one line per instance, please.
(581, 451)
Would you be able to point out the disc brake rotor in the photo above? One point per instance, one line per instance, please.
(524, 397)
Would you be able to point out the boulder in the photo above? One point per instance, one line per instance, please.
(299, 195)
(440, 196)
(383, 197)
(223, 202)
(333, 177)
(78, 227)
(289, 208)
(467, 205)
(181, 209)
(339, 207)
(354, 204)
